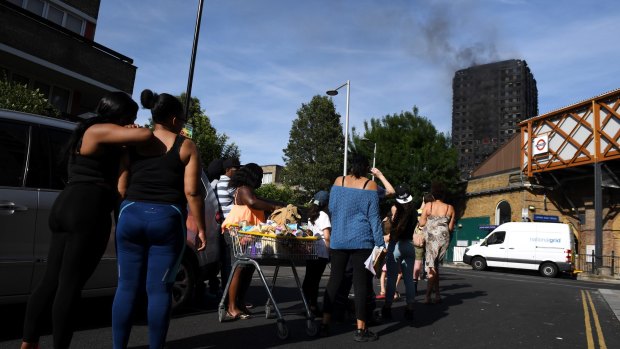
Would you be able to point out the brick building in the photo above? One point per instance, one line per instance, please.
(48, 45)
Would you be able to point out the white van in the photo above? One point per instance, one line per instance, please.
(546, 247)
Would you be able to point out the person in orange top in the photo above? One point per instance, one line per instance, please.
(247, 207)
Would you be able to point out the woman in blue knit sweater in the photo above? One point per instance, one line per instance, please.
(356, 229)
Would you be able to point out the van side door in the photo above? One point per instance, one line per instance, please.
(521, 250)
(496, 249)
(18, 210)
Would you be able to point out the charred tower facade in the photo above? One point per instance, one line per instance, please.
(488, 103)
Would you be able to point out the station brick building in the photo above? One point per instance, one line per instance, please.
(562, 166)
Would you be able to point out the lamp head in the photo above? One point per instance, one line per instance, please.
(332, 92)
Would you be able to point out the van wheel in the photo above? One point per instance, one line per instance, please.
(184, 284)
(549, 270)
(478, 263)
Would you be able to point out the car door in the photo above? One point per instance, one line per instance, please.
(496, 249)
(47, 172)
(18, 210)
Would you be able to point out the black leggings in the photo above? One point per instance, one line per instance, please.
(339, 260)
(312, 279)
(80, 221)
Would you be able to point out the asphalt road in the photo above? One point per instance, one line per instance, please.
(491, 309)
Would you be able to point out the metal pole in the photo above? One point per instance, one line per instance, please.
(190, 78)
(598, 214)
(374, 159)
(346, 131)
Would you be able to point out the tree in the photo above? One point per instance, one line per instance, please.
(276, 193)
(410, 151)
(211, 145)
(14, 96)
(313, 156)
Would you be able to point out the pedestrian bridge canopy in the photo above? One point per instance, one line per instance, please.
(584, 133)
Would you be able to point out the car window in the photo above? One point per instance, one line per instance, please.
(47, 168)
(13, 150)
(496, 238)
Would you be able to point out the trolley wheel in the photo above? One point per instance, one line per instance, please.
(221, 313)
(282, 329)
(268, 312)
(311, 328)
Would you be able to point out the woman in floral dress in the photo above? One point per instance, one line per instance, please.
(438, 222)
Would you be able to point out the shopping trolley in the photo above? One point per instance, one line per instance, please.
(258, 249)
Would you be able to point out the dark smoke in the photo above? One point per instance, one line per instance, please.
(452, 34)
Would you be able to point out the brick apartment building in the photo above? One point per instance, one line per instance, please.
(48, 45)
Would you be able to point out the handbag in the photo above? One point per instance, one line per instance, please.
(418, 237)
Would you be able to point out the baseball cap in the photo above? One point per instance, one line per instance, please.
(231, 162)
(402, 194)
(321, 198)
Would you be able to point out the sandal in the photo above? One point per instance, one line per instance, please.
(229, 317)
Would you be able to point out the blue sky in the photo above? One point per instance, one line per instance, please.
(259, 60)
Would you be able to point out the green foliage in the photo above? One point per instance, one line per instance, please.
(276, 192)
(19, 97)
(409, 150)
(211, 145)
(313, 156)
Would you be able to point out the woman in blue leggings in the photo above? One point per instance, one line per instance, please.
(159, 180)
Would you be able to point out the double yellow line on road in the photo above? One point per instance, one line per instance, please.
(597, 324)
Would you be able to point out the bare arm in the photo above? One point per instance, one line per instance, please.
(327, 232)
(423, 217)
(123, 178)
(247, 197)
(452, 218)
(112, 134)
(193, 189)
(389, 189)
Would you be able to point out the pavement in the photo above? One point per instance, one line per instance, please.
(611, 296)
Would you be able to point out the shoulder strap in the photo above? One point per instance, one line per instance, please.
(365, 183)
(343, 180)
(178, 142)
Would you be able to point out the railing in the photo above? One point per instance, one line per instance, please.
(599, 265)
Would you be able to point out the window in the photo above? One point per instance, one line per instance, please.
(55, 15)
(13, 150)
(496, 238)
(35, 6)
(48, 168)
(60, 98)
(503, 213)
(19, 79)
(74, 23)
(267, 178)
(43, 88)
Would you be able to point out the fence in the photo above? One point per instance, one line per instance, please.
(600, 265)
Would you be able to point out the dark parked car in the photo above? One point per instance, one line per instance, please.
(30, 181)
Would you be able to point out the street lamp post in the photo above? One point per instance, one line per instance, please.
(190, 78)
(374, 154)
(346, 122)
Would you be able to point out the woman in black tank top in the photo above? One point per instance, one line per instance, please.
(159, 179)
(80, 217)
